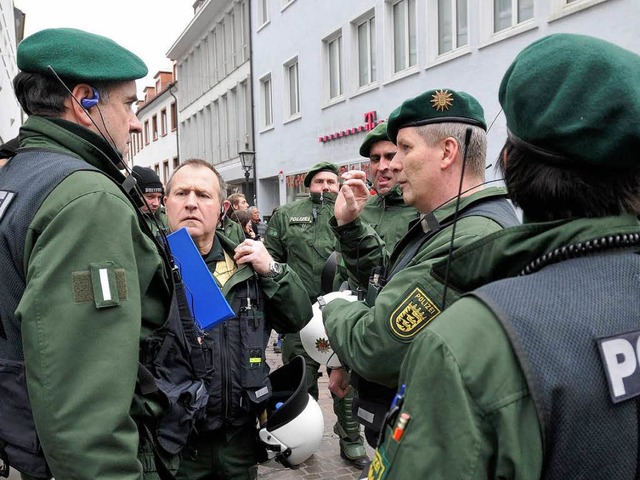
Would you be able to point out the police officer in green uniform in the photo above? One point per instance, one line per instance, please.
(84, 286)
(299, 234)
(535, 374)
(152, 191)
(439, 166)
(385, 211)
(387, 214)
(263, 294)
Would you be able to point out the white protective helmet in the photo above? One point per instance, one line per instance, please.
(295, 424)
(314, 336)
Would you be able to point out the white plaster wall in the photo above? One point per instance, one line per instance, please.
(10, 117)
(299, 29)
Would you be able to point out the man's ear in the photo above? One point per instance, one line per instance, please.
(225, 205)
(450, 149)
(76, 111)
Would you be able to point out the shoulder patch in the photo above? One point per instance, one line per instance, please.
(5, 199)
(415, 312)
(272, 232)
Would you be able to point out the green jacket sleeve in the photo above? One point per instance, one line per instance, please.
(273, 238)
(81, 353)
(288, 306)
(471, 415)
(361, 247)
(362, 335)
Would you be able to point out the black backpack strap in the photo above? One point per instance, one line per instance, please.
(497, 209)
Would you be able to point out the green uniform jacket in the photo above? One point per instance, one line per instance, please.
(373, 340)
(389, 216)
(157, 220)
(298, 234)
(471, 413)
(82, 361)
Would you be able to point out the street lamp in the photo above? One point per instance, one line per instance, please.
(246, 159)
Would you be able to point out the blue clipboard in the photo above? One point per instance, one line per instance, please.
(207, 303)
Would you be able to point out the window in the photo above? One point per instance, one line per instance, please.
(163, 122)
(263, 12)
(508, 13)
(366, 34)
(174, 116)
(567, 7)
(154, 127)
(146, 132)
(267, 105)
(292, 82)
(403, 15)
(333, 48)
(165, 170)
(452, 25)
(175, 162)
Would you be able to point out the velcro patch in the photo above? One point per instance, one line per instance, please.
(84, 286)
(5, 199)
(413, 314)
(619, 355)
(378, 466)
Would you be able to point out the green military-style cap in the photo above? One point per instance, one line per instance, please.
(317, 168)
(78, 55)
(378, 134)
(436, 106)
(576, 100)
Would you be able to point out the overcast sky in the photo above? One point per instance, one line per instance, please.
(146, 27)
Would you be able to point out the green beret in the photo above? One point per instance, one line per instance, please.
(436, 106)
(575, 99)
(378, 134)
(317, 168)
(78, 55)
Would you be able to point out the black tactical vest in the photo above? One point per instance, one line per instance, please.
(373, 400)
(172, 365)
(553, 319)
(235, 353)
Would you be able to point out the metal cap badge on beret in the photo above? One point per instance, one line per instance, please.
(317, 168)
(576, 100)
(78, 55)
(436, 106)
(378, 134)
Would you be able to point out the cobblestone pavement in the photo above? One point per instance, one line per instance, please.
(326, 462)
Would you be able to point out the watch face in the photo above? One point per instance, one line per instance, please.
(276, 268)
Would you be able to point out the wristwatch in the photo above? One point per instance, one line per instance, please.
(275, 269)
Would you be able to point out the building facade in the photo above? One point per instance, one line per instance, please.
(326, 72)
(213, 63)
(156, 146)
(11, 33)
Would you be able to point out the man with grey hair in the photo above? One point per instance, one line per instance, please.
(264, 296)
(439, 165)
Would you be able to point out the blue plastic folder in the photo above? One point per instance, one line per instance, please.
(206, 301)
